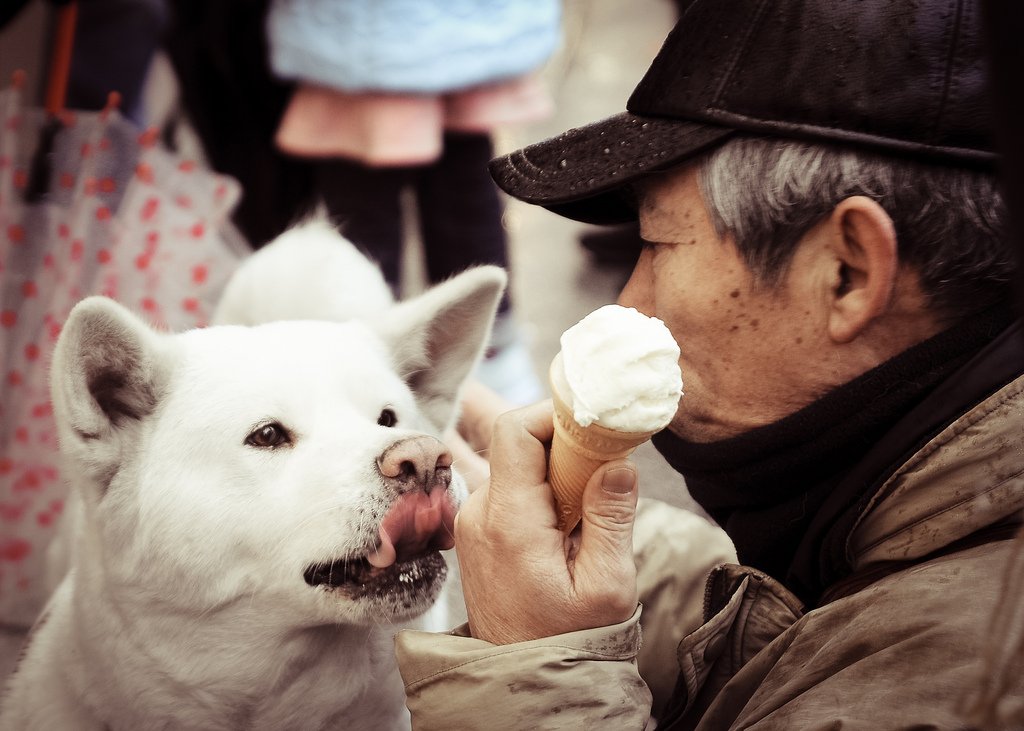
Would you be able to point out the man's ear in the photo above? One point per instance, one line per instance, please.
(863, 241)
(104, 380)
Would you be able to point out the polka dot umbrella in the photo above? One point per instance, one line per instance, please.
(89, 204)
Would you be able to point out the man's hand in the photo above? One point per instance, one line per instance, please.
(470, 442)
(522, 577)
(480, 407)
(473, 468)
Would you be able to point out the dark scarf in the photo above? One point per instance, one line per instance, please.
(788, 493)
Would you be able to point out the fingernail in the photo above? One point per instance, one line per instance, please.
(619, 480)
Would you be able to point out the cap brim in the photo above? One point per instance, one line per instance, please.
(583, 173)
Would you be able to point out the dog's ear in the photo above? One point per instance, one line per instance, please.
(438, 337)
(104, 380)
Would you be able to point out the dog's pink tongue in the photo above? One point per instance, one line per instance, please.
(415, 524)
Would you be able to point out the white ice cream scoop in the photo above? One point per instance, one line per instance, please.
(615, 383)
(621, 369)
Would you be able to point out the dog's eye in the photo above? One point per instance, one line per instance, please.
(268, 436)
(387, 418)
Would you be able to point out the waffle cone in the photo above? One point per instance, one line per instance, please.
(576, 452)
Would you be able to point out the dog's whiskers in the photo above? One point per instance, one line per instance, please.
(330, 504)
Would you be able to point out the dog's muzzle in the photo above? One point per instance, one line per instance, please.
(419, 523)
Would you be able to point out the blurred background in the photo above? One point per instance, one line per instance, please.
(556, 279)
(560, 270)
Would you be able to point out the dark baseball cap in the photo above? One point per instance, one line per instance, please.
(903, 77)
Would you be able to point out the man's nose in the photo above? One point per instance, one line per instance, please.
(637, 291)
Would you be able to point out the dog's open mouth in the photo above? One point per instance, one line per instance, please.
(357, 573)
(415, 528)
(339, 573)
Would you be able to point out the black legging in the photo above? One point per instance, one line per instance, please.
(458, 205)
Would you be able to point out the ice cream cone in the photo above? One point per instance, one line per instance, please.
(577, 451)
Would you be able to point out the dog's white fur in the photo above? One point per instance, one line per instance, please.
(309, 272)
(186, 603)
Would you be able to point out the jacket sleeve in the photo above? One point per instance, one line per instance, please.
(585, 679)
(599, 676)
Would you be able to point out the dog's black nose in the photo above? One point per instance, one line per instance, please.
(416, 463)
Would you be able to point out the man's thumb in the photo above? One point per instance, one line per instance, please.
(609, 506)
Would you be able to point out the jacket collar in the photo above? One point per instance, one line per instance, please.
(966, 473)
(967, 478)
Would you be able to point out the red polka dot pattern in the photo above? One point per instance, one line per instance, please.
(124, 217)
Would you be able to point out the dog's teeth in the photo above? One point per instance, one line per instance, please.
(410, 575)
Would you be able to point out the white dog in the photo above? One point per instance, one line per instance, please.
(257, 507)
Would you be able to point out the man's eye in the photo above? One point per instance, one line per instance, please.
(268, 436)
(387, 417)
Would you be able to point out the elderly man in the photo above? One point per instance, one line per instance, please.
(813, 181)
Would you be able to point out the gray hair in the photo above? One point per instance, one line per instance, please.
(767, 193)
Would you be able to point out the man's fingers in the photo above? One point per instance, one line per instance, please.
(518, 491)
(605, 556)
(473, 468)
(520, 439)
(609, 507)
(481, 407)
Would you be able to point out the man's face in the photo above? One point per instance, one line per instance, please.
(749, 355)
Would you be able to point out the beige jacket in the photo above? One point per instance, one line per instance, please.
(908, 650)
